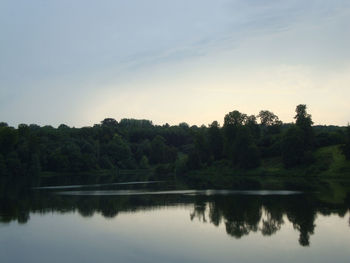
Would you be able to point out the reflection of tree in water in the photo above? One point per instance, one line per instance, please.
(347, 201)
(240, 215)
(85, 208)
(215, 214)
(199, 211)
(245, 214)
(302, 214)
(108, 209)
(304, 223)
(271, 225)
(273, 220)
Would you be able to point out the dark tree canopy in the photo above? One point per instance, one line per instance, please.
(304, 122)
(235, 118)
(303, 119)
(293, 147)
(241, 143)
(215, 141)
(268, 118)
(346, 147)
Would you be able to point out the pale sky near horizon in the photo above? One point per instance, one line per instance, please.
(78, 62)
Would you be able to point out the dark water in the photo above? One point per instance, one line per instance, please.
(157, 223)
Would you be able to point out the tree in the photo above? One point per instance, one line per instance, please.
(3, 170)
(23, 130)
(134, 123)
(293, 147)
(304, 122)
(109, 122)
(63, 127)
(235, 118)
(270, 122)
(346, 147)
(215, 140)
(201, 145)
(34, 168)
(303, 119)
(269, 142)
(144, 162)
(245, 153)
(184, 125)
(8, 139)
(118, 151)
(158, 150)
(232, 120)
(253, 126)
(268, 118)
(239, 145)
(14, 165)
(297, 142)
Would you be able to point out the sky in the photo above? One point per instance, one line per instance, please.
(78, 62)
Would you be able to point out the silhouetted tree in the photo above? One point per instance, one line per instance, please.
(304, 122)
(346, 147)
(245, 152)
(8, 139)
(144, 162)
(3, 170)
(231, 122)
(235, 118)
(253, 126)
(215, 140)
(270, 122)
(268, 118)
(109, 122)
(158, 150)
(239, 147)
(293, 147)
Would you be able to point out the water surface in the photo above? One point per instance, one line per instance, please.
(145, 223)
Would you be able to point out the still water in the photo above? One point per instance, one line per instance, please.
(153, 223)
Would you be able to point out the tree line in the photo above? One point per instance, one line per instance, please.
(241, 142)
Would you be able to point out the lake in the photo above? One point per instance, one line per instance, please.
(157, 222)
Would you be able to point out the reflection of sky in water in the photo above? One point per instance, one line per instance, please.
(177, 192)
(165, 235)
(93, 185)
